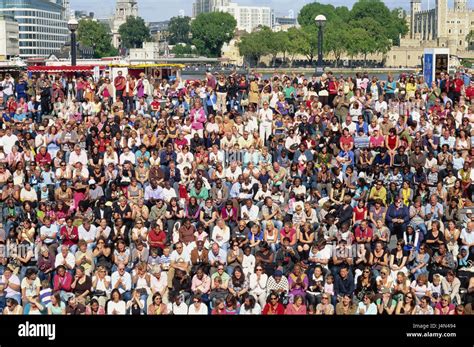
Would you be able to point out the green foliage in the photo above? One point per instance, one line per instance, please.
(183, 50)
(180, 30)
(96, 35)
(369, 27)
(211, 30)
(134, 32)
(253, 46)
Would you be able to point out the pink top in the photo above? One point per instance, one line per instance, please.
(292, 310)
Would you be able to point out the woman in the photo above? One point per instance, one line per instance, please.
(451, 235)
(219, 307)
(258, 285)
(345, 306)
(325, 307)
(398, 259)
(392, 143)
(378, 258)
(81, 285)
(157, 307)
(56, 306)
(366, 283)
(270, 236)
(135, 306)
(238, 285)
(406, 306)
(12, 307)
(420, 287)
(386, 304)
(298, 282)
(305, 240)
(273, 306)
(367, 306)
(101, 285)
(94, 308)
(445, 307)
(435, 237)
(297, 307)
(116, 306)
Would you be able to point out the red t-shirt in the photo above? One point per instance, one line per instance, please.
(367, 233)
(157, 238)
(269, 310)
(43, 159)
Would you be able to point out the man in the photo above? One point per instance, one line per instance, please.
(119, 83)
(265, 116)
(364, 234)
(344, 283)
(65, 258)
(397, 217)
(75, 308)
(217, 257)
(179, 260)
(78, 156)
(201, 284)
(271, 212)
(219, 194)
(286, 257)
(250, 212)
(199, 257)
(153, 192)
(87, 232)
(122, 280)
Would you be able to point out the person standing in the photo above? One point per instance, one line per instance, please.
(120, 84)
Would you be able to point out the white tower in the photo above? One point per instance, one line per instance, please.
(123, 9)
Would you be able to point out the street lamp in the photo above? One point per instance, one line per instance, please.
(320, 22)
(72, 25)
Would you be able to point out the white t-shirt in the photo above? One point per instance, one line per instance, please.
(9, 292)
(87, 235)
(119, 307)
(467, 237)
(197, 311)
(254, 311)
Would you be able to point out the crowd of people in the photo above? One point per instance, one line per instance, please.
(239, 194)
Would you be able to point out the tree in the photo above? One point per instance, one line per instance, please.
(309, 12)
(253, 46)
(309, 46)
(211, 30)
(179, 29)
(336, 39)
(96, 35)
(294, 43)
(361, 41)
(134, 32)
(391, 24)
(181, 50)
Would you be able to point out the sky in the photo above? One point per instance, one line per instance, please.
(158, 10)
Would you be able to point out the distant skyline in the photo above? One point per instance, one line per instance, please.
(159, 10)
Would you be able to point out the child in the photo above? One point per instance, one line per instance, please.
(435, 289)
(45, 293)
(329, 285)
(165, 259)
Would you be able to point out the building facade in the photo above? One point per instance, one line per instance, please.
(441, 26)
(42, 25)
(9, 45)
(249, 17)
(123, 9)
(207, 6)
